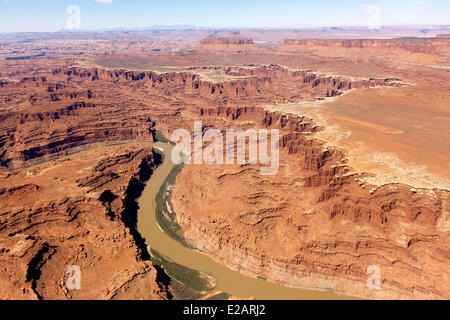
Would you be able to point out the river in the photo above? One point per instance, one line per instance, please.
(229, 281)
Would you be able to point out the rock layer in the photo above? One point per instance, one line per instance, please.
(413, 50)
(314, 224)
(226, 44)
(77, 211)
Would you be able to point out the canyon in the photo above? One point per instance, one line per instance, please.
(76, 141)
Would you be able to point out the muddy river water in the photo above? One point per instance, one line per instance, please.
(229, 281)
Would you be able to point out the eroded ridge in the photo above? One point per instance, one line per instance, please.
(78, 211)
(37, 127)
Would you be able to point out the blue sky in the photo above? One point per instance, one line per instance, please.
(51, 15)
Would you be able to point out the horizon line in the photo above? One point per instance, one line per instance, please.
(206, 28)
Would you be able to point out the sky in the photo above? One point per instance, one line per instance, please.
(56, 15)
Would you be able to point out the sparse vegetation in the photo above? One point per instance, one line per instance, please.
(220, 296)
(182, 292)
(159, 137)
(187, 283)
(165, 214)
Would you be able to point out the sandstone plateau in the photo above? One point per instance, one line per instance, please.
(404, 50)
(226, 44)
(363, 180)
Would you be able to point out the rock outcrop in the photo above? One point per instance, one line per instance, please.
(315, 223)
(77, 212)
(405, 50)
(226, 44)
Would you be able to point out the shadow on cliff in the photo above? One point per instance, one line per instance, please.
(129, 215)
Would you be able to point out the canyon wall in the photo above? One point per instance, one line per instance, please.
(65, 112)
(420, 51)
(314, 224)
(77, 212)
